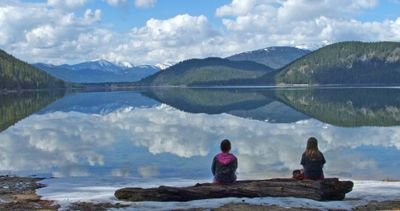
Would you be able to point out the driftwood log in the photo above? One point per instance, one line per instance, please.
(323, 190)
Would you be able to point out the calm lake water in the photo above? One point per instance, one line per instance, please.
(174, 133)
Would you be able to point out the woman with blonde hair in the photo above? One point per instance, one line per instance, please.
(313, 161)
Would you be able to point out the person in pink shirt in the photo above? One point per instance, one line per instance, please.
(224, 165)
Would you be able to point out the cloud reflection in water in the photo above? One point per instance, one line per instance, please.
(164, 142)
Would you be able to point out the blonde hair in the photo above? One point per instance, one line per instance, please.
(312, 152)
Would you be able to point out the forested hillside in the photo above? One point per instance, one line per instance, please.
(16, 75)
(209, 71)
(346, 63)
(275, 57)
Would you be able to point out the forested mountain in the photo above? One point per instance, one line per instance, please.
(209, 71)
(275, 57)
(16, 74)
(345, 63)
(100, 71)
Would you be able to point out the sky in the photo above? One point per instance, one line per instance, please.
(168, 31)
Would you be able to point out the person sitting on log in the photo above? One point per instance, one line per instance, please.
(224, 165)
(313, 161)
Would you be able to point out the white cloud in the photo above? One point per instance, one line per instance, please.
(311, 9)
(161, 41)
(136, 3)
(241, 7)
(307, 23)
(145, 3)
(37, 32)
(116, 2)
(52, 32)
(42, 36)
(91, 17)
(66, 4)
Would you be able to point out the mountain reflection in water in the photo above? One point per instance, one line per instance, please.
(168, 133)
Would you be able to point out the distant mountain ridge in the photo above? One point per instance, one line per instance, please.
(275, 57)
(98, 71)
(208, 71)
(16, 75)
(345, 63)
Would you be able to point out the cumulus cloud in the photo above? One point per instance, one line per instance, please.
(241, 7)
(178, 38)
(311, 9)
(136, 3)
(145, 3)
(55, 33)
(68, 4)
(37, 32)
(116, 2)
(319, 22)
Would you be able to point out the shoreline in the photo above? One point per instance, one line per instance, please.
(20, 193)
(122, 86)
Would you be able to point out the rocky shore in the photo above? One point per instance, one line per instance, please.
(19, 193)
(374, 205)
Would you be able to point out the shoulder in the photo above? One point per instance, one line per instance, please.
(215, 157)
(322, 156)
(235, 158)
(232, 156)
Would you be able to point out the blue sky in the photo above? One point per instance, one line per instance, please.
(168, 31)
(124, 19)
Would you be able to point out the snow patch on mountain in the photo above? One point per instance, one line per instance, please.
(165, 65)
(99, 71)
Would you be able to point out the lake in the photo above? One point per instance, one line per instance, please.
(173, 133)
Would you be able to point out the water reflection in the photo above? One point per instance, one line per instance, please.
(100, 102)
(247, 103)
(16, 106)
(347, 107)
(143, 138)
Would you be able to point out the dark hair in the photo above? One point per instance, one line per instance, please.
(312, 150)
(225, 145)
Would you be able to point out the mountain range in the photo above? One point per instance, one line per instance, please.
(345, 63)
(274, 57)
(99, 71)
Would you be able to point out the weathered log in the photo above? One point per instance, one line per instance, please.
(323, 190)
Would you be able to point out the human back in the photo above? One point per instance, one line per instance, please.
(313, 160)
(224, 164)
